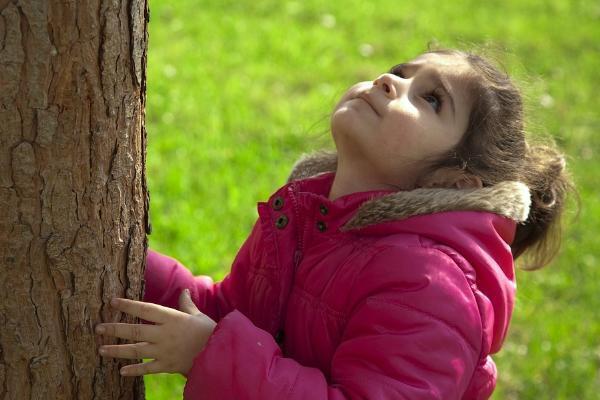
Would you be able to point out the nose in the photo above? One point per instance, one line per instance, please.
(386, 83)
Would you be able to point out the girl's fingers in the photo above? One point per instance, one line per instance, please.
(133, 332)
(135, 351)
(152, 367)
(147, 311)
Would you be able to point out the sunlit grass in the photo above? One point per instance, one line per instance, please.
(237, 90)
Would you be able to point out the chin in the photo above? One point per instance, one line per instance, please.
(347, 123)
(349, 142)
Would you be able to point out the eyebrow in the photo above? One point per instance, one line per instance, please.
(439, 80)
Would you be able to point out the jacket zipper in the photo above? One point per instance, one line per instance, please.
(280, 335)
(299, 229)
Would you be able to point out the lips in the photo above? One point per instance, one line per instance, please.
(365, 97)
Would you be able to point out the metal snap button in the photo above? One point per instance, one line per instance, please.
(282, 221)
(323, 209)
(321, 226)
(278, 203)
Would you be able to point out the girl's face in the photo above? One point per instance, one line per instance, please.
(387, 131)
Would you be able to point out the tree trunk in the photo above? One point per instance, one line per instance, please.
(73, 200)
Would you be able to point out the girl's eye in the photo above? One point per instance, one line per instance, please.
(397, 70)
(435, 100)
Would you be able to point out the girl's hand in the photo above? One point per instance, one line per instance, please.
(173, 342)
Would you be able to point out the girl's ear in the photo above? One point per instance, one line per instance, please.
(451, 178)
(468, 181)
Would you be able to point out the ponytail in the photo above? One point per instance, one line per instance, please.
(544, 172)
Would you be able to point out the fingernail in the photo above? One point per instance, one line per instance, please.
(123, 371)
(100, 329)
(102, 350)
(113, 302)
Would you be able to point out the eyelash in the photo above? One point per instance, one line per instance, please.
(397, 70)
(437, 93)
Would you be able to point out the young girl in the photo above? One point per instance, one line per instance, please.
(381, 271)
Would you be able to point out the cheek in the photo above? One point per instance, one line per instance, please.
(403, 130)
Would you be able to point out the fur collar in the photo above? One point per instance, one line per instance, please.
(510, 199)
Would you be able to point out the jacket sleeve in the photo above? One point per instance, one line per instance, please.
(408, 336)
(166, 277)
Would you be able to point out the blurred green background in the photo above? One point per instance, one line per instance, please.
(237, 90)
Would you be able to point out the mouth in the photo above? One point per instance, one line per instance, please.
(365, 97)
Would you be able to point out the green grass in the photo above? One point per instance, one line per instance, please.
(237, 90)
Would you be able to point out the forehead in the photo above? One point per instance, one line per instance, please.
(450, 64)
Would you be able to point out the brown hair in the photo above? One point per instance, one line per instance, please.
(494, 148)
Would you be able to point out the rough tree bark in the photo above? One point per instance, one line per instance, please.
(73, 200)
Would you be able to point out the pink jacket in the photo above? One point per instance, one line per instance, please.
(377, 295)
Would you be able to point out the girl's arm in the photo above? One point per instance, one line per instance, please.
(400, 342)
(166, 278)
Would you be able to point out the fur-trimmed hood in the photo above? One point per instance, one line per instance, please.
(510, 199)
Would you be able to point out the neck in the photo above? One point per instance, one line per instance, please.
(345, 183)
